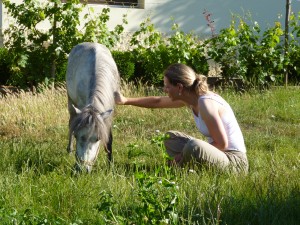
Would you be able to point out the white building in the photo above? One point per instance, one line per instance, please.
(189, 14)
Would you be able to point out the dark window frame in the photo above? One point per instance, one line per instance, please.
(125, 3)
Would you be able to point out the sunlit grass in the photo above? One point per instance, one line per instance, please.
(36, 182)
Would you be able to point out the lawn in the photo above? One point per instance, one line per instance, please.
(37, 185)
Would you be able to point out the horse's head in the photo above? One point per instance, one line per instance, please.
(89, 130)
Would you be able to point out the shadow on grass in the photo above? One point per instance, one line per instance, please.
(270, 210)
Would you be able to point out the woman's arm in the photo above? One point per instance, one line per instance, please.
(149, 102)
(210, 114)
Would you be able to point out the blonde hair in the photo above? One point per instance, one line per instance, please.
(185, 75)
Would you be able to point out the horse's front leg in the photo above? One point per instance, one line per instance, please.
(108, 147)
(72, 114)
(70, 144)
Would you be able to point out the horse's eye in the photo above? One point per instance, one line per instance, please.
(96, 139)
(83, 139)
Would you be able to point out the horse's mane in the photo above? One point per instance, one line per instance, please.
(90, 117)
(105, 81)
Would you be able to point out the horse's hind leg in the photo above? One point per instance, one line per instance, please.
(108, 147)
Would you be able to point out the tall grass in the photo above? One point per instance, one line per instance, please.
(37, 186)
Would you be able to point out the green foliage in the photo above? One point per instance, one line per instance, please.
(148, 50)
(223, 50)
(244, 51)
(38, 53)
(37, 186)
(154, 52)
(187, 49)
(26, 217)
(125, 63)
(159, 200)
(156, 202)
(105, 207)
(292, 56)
(96, 29)
(34, 50)
(5, 65)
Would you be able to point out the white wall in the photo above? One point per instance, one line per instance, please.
(189, 13)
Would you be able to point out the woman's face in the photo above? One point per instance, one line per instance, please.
(170, 89)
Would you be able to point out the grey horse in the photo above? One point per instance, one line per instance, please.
(92, 80)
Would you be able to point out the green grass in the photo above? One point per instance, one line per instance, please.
(37, 185)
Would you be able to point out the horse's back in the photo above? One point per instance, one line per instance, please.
(91, 71)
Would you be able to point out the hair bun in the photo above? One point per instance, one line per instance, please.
(200, 84)
(196, 82)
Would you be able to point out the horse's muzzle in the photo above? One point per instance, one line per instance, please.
(82, 167)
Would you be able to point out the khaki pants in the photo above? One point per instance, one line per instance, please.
(200, 152)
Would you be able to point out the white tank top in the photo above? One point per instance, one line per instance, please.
(232, 128)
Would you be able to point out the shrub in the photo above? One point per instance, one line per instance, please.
(294, 65)
(153, 52)
(125, 63)
(243, 52)
(292, 59)
(147, 44)
(5, 64)
(40, 54)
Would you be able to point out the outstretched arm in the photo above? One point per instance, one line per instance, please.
(148, 102)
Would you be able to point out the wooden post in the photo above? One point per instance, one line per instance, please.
(286, 35)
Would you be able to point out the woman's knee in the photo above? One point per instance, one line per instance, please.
(170, 134)
(173, 143)
(176, 138)
(169, 138)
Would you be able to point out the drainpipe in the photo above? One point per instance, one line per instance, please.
(1, 24)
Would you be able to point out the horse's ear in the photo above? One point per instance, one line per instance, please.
(76, 110)
(106, 114)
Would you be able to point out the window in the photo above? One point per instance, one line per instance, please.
(124, 3)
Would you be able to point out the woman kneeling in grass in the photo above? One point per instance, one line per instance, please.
(225, 147)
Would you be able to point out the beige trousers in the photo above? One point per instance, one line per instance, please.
(200, 152)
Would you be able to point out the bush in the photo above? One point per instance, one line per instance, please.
(244, 51)
(5, 64)
(293, 56)
(294, 65)
(40, 55)
(125, 63)
(154, 52)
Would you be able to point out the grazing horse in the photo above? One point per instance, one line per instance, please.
(92, 80)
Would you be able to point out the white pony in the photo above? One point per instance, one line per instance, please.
(92, 80)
